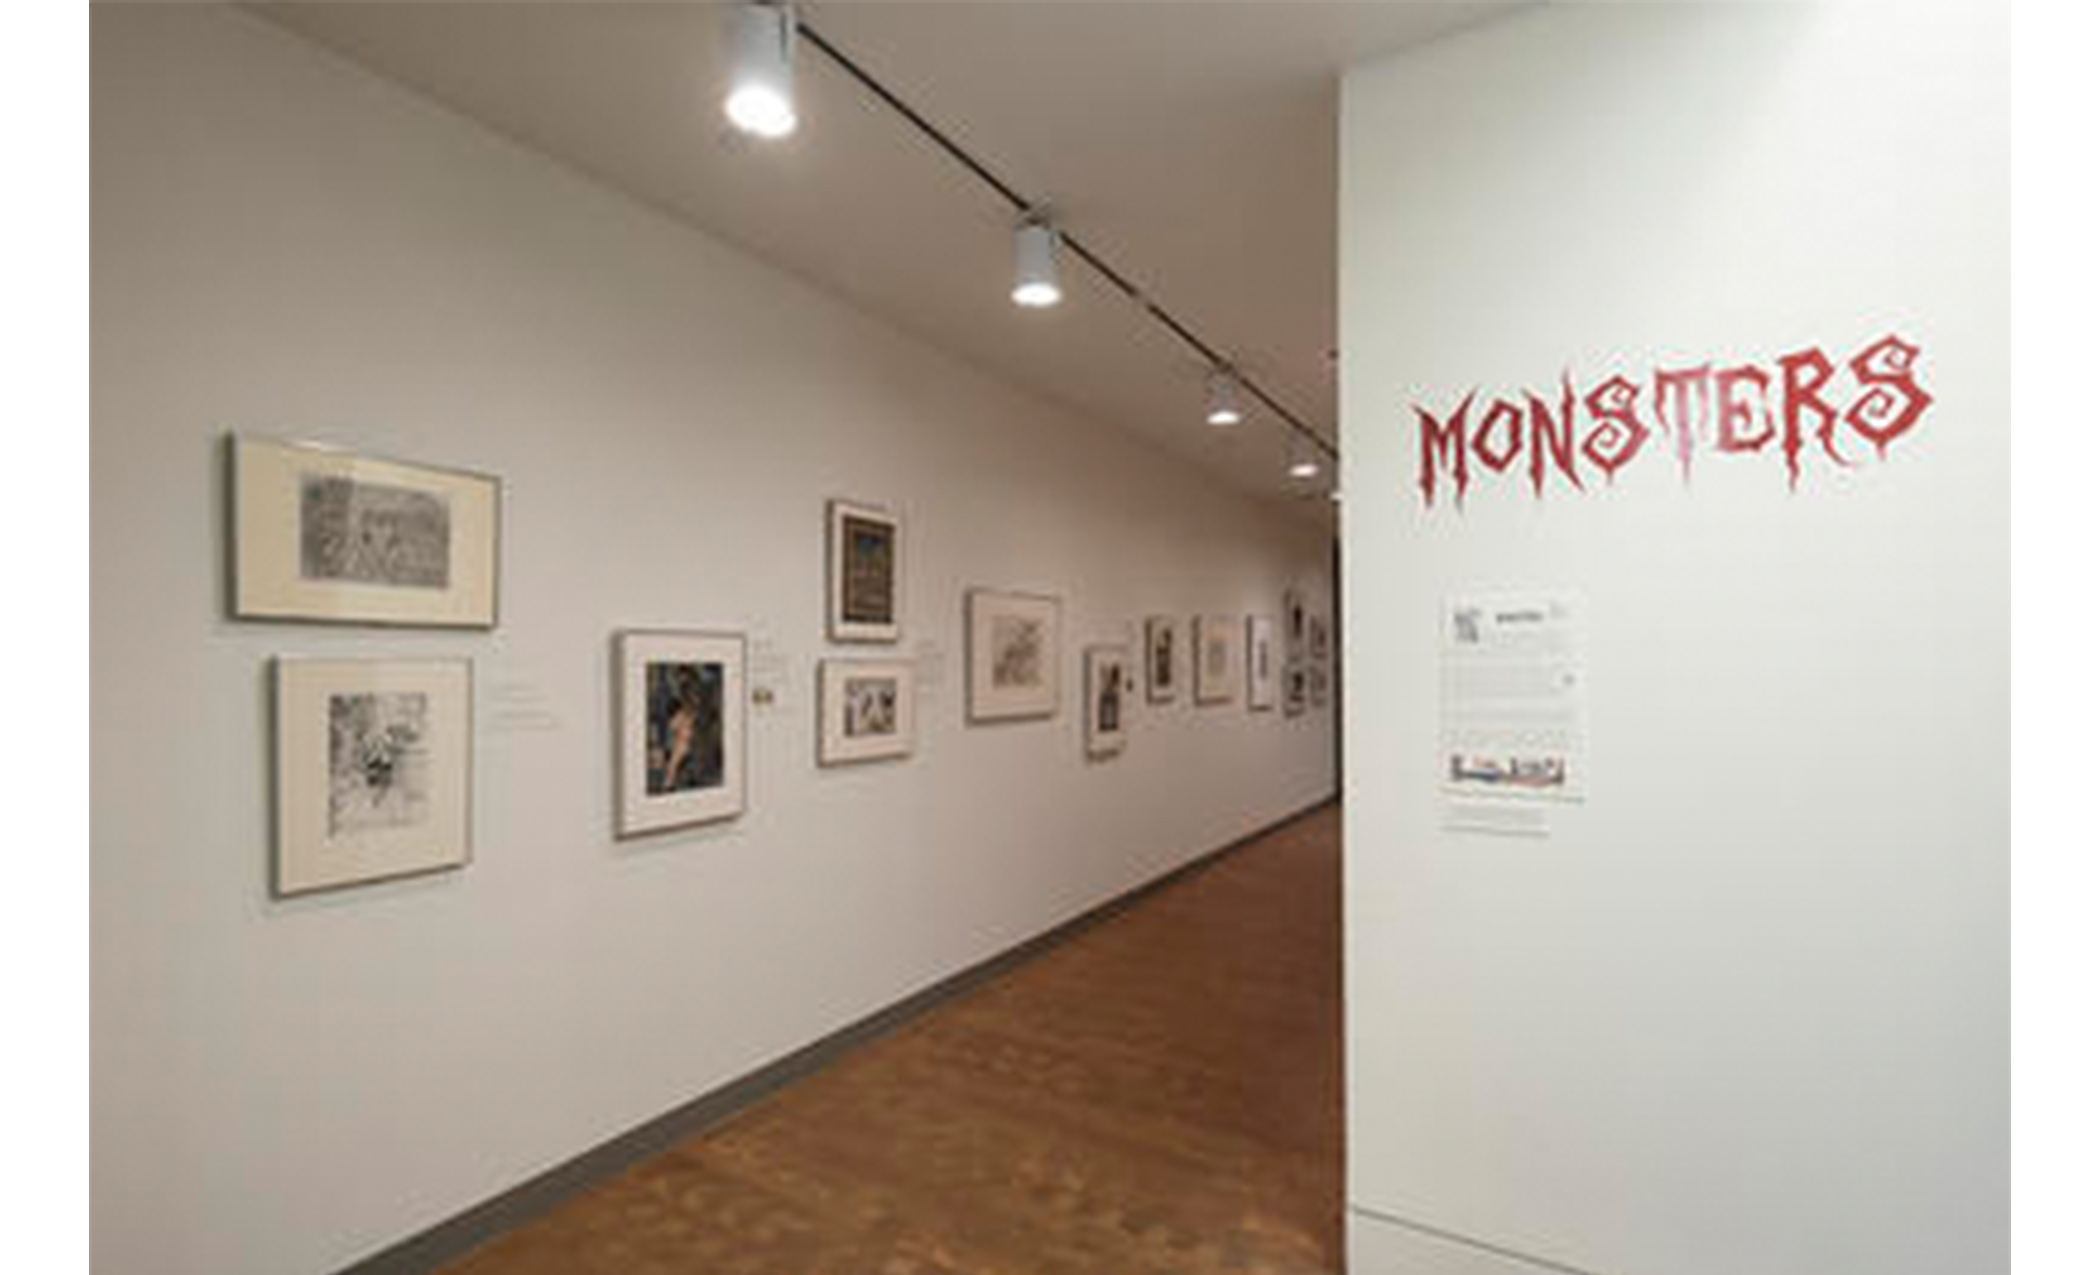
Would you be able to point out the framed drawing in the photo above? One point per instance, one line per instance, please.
(1162, 659)
(1296, 676)
(1013, 655)
(373, 770)
(865, 556)
(1293, 625)
(864, 710)
(1217, 659)
(328, 535)
(1107, 690)
(681, 721)
(1261, 662)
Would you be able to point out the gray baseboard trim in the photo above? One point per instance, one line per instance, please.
(455, 1237)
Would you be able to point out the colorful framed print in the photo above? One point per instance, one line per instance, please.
(1218, 658)
(1014, 652)
(1261, 663)
(866, 565)
(680, 715)
(1108, 692)
(327, 535)
(373, 770)
(864, 710)
(1162, 659)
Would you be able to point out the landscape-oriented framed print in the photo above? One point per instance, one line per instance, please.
(866, 557)
(1108, 687)
(680, 711)
(373, 770)
(864, 710)
(1013, 651)
(1218, 658)
(1261, 662)
(1162, 659)
(328, 535)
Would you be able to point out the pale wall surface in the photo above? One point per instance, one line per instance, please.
(284, 244)
(1745, 1011)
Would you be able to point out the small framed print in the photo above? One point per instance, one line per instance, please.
(1108, 687)
(865, 710)
(1162, 659)
(1294, 616)
(1013, 653)
(327, 535)
(681, 723)
(1217, 658)
(1295, 680)
(373, 770)
(1261, 662)
(865, 555)
(1316, 660)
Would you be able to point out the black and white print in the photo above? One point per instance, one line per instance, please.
(372, 533)
(378, 761)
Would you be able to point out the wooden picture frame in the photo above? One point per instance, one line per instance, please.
(372, 765)
(680, 714)
(1014, 649)
(1109, 692)
(865, 710)
(864, 572)
(326, 535)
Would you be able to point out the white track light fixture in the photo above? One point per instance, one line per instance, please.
(761, 97)
(1304, 464)
(1224, 406)
(1035, 265)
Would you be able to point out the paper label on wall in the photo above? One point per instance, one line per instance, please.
(515, 706)
(931, 670)
(1512, 697)
(766, 669)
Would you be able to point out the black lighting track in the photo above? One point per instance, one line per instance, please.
(1023, 206)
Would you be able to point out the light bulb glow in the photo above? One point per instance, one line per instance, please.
(1305, 469)
(1224, 406)
(761, 98)
(1035, 266)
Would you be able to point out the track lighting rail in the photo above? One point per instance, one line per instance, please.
(1024, 207)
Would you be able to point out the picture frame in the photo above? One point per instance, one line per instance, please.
(1218, 658)
(1162, 659)
(1109, 690)
(864, 572)
(1294, 618)
(680, 715)
(1261, 663)
(326, 535)
(1318, 668)
(1296, 681)
(1014, 650)
(865, 710)
(372, 770)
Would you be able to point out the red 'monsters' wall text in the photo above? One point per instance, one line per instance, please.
(1799, 403)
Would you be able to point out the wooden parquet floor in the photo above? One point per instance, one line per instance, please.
(1162, 1093)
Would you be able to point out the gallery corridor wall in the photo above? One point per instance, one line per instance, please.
(284, 244)
(1744, 1009)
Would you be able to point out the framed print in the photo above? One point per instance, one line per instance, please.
(864, 710)
(1162, 659)
(328, 535)
(373, 770)
(1013, 652)
(681, 723)
(1316, 660)
(1217, 658)
(1296, 677)
(1261, 662)
(865, 555)
(1294, 616)
(1108, 687)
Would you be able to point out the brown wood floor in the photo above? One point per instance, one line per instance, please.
(1160, 1094)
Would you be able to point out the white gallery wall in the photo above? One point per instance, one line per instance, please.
(284, 244)
(1744, 1009)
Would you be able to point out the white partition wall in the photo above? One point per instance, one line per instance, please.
(285, 244)
(1742, 1010)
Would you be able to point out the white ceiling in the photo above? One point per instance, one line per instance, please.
(1190, 144)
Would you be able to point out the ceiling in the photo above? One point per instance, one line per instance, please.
(1192, 145)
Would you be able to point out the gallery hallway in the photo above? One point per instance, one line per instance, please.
(1161, 1093)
